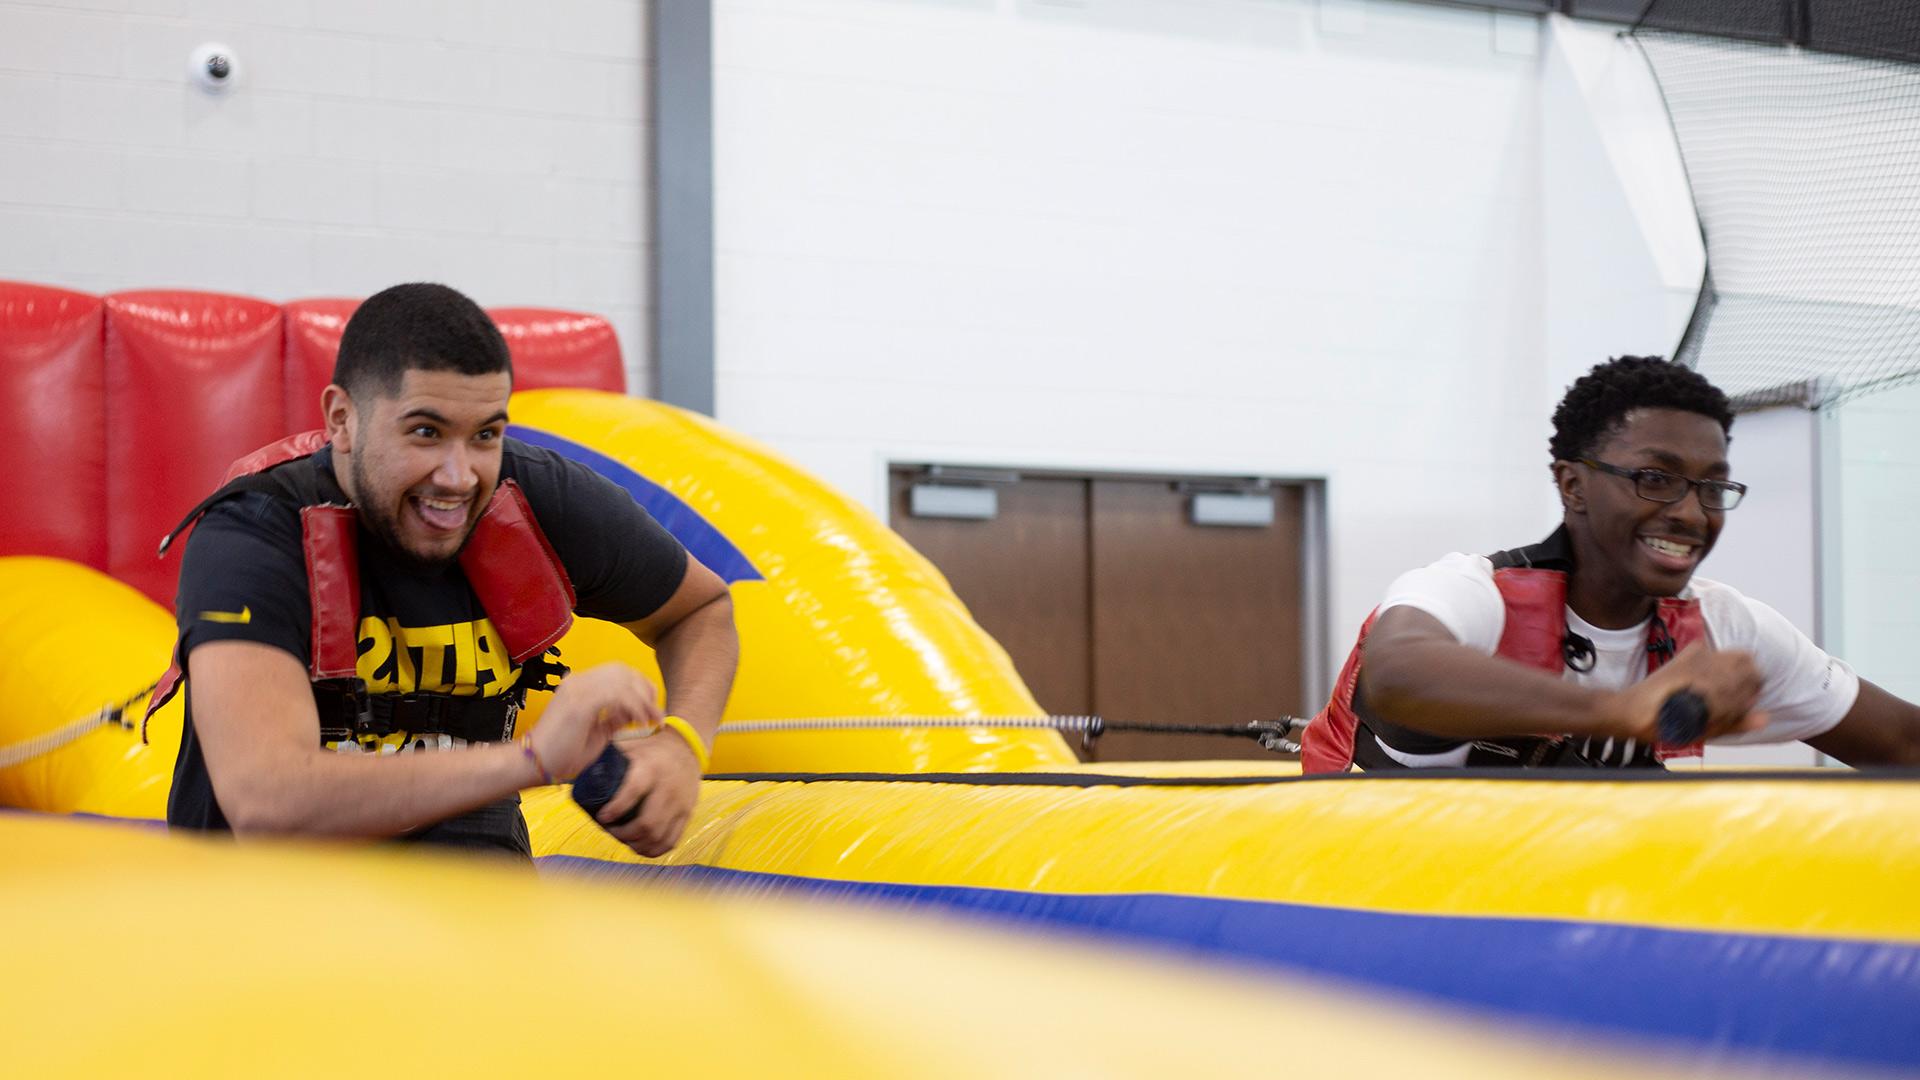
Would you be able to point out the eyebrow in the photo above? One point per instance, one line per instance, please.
(428, 414)
(1672, 463)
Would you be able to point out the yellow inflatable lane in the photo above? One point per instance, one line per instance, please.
(1777, 857)
(136, 951)
(1765, 916)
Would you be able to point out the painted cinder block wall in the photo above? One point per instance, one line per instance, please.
(495, 145)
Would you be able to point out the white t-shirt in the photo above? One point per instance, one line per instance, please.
(1807, 692)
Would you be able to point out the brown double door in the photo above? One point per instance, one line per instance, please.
(1112, 602)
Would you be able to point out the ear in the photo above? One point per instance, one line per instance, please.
(336, 409)
(1572, 484)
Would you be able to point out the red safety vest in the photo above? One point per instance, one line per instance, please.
(1535, 634)
(520, 582)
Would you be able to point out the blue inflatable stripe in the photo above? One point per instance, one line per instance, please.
(694, 532)
(1819, 998)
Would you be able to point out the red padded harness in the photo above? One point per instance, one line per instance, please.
(1536, 626)
(508, 560)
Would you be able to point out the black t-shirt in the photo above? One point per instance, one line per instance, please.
(243, 577)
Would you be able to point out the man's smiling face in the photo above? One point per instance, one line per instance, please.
(424, 460)
(1648, 548)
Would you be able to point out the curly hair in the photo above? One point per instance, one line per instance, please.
(1598, 401)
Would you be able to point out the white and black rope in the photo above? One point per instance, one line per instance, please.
(1278, 735)
(112, 714)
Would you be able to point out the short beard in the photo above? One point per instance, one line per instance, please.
(381, 523)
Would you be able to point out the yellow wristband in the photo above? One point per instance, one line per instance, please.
(685, 730)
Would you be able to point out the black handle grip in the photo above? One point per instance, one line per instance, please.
(1683, 719)
(596, 784)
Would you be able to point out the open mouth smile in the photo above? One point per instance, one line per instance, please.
(440, 515)
(1672, 554)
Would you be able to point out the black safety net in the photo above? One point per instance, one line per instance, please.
(1799, 124)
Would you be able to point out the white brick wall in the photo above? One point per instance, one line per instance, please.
(497, 145)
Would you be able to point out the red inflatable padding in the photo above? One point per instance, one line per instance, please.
(53, 409)
(550, 348)
(313, 340)
(126, 411)
(561, 348)
(194, 380)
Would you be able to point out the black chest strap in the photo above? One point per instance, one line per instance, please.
(349, 713)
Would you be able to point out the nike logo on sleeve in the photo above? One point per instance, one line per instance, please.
(244, 615)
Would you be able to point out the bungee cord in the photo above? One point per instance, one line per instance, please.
(1279, 735)
(112, 714)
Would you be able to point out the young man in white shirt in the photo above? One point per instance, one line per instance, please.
(1564, 653)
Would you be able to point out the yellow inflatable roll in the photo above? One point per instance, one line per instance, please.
(73, 640)
(844, 619)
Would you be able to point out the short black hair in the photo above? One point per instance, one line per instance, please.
(1600, 400)
(419, 326)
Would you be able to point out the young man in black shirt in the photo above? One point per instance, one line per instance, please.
(415, 422)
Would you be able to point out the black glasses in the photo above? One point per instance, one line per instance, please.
(1658, 485)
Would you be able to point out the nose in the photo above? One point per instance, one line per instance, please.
(1689, 513)
(454, 472)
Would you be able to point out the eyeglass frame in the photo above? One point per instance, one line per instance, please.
(1693, 486)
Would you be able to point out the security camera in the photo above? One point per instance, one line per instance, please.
(214, 67)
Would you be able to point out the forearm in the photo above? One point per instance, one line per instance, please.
(1880, 729)
(322, 793)
(1443, 688)
(697, 661)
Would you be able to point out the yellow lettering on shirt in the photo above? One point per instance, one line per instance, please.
(495, 668)
(432, 642)
(463, 658)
